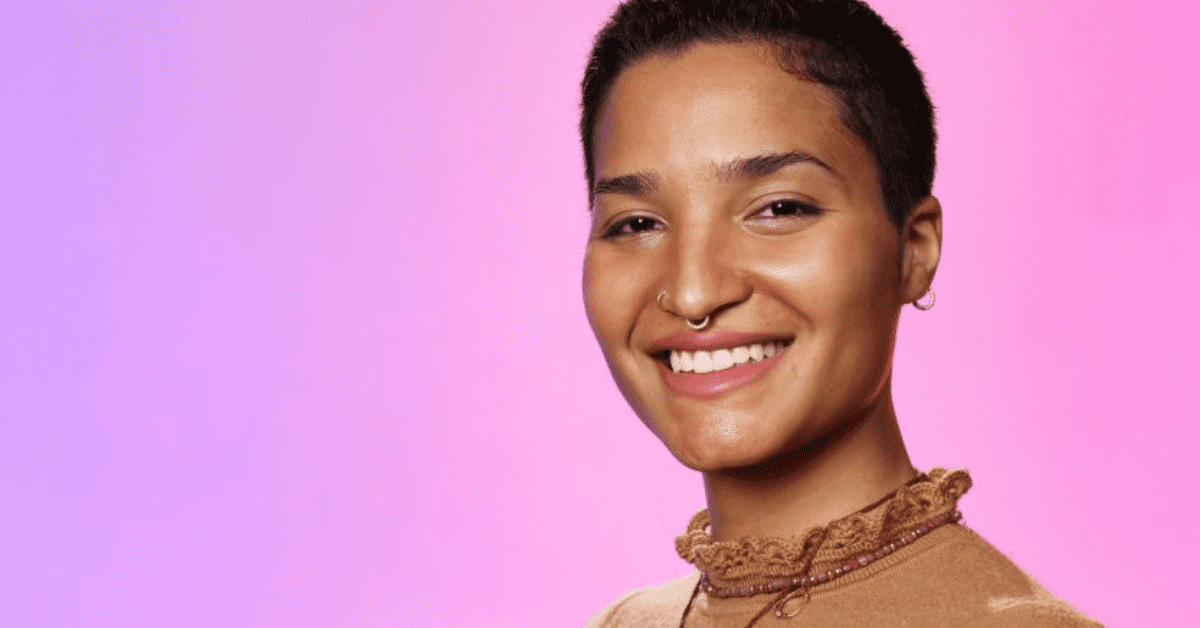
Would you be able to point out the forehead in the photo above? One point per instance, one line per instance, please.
(714, 103)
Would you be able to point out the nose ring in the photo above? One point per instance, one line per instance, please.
(697, 325)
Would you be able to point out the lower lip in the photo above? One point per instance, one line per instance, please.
(718, 382)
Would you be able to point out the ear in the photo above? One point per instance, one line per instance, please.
(921, 241)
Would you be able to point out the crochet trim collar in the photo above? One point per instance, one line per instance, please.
(751, 559)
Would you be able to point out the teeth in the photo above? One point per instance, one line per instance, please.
(702, 362)
(721, 359)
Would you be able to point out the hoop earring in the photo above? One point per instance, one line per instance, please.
(697, 326)
(927, 306)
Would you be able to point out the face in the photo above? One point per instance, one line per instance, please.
(734, 188)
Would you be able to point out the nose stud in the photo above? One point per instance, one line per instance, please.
(695, 324)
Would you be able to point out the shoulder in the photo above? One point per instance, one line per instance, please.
(1034, 611)
(1006, 595)
(652, 607)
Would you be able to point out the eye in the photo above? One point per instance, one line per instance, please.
(631, 226)
(788, 208)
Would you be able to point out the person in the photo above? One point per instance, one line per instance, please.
(760, 176)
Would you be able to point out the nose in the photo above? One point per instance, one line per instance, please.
(703, 275)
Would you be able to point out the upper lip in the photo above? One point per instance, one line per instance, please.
(711, 340)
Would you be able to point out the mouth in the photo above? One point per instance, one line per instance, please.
(706, 373)
(701, 362)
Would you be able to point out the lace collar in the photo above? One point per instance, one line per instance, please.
(754, 559)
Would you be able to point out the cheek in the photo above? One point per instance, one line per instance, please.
(609, 296)
(593, 289)
(613, 296)
(877, 275)
(843, 283)
(859, 272)
(863, 310)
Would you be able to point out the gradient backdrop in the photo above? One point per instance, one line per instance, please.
(291, 330)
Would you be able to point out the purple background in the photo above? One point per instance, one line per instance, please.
(291, 330)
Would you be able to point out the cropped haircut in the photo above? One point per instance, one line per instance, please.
(840, 44)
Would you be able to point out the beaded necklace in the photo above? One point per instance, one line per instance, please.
(792, 567)
(788, 588)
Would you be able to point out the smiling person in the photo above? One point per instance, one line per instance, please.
(760, 176)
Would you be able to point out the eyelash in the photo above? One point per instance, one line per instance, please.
(635, 225)
(618, 228)
(799, 208)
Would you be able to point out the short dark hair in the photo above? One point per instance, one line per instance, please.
(840, 44)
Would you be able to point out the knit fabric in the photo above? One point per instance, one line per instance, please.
(948, 577)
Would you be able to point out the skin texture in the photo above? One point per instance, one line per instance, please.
(803, 253)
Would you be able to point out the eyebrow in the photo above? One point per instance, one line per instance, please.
(635, 184)
(764, 165)
(742, 169)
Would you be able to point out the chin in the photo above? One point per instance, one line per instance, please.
(722, 443)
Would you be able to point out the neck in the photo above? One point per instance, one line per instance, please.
(853, 466)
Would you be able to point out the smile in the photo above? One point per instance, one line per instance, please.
(721, 359)
(706, 372)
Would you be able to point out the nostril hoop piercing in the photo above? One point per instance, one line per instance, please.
(696, 325)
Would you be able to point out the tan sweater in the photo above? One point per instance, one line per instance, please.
(948, 577)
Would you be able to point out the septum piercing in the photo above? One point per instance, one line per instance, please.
(695, 325)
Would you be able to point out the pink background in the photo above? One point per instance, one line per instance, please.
(291, 332)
